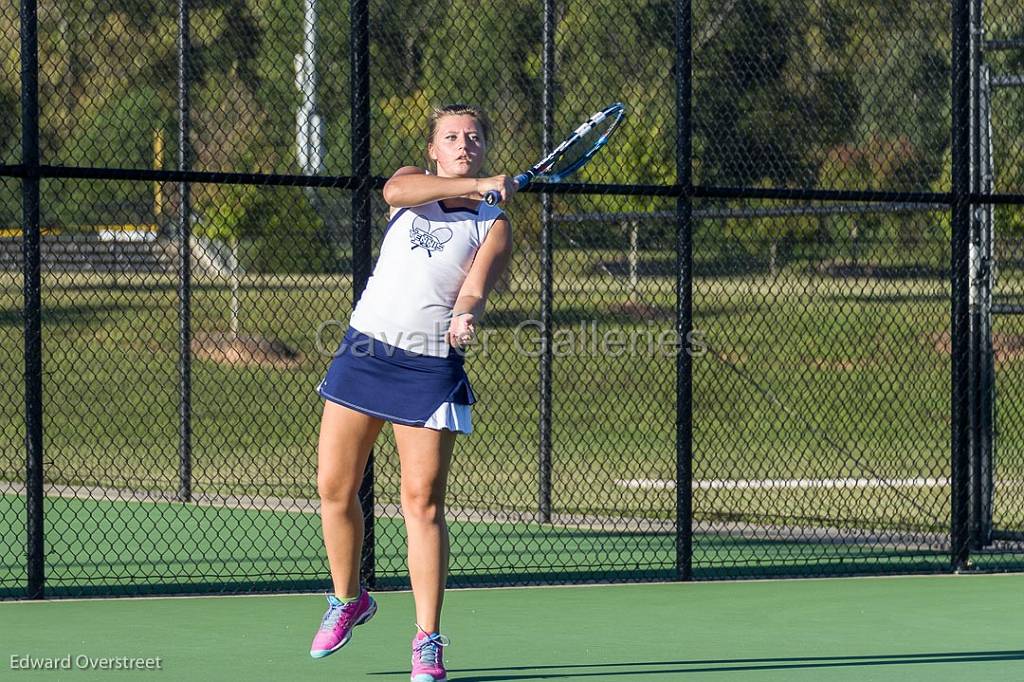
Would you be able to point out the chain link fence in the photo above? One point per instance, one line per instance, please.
(799, 224)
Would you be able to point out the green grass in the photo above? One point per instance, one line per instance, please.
(806, 377)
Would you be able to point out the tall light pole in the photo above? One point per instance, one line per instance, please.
(309, 126)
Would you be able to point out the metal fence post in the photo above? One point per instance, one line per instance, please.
(981, 333)
(31, 287)
(974, 337)
(983, 468)
(359, 44)
(184, 258)
(961, 282)
(546, 275)
(684, 291)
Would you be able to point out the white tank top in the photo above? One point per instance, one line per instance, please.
(424, 259)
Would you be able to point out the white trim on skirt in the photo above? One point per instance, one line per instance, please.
(452, 416)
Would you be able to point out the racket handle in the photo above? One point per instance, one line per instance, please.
(494, 196)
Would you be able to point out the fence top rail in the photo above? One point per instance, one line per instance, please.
(838, 209)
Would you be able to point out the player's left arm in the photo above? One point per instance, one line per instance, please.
(491, 260)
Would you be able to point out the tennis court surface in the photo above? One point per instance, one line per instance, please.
(906, 628)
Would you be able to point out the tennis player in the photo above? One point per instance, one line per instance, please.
(401, 361)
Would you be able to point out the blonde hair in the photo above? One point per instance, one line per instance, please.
(437, 113)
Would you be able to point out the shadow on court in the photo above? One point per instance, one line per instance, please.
(638, 668)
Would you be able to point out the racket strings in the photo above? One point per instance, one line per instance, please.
(579, 149)
(581, 145)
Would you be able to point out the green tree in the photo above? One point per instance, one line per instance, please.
(266, 230)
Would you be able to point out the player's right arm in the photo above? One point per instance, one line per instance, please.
(412, 186)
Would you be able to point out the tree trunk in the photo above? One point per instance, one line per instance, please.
(633, 259)
(235, 305)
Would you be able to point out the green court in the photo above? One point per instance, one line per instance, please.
(207, 549)
(907, 628)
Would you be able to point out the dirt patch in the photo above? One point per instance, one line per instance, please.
(245, 350)
(732, 357)
(1006, 347)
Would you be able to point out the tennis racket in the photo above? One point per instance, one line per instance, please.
(572, 153)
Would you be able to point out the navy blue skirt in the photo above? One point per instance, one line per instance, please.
(384, 381)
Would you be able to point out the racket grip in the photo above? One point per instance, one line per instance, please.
(493, 196)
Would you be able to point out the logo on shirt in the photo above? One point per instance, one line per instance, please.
(423, 234)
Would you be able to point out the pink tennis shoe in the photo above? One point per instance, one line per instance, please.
(427, 665)
(336, 627)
